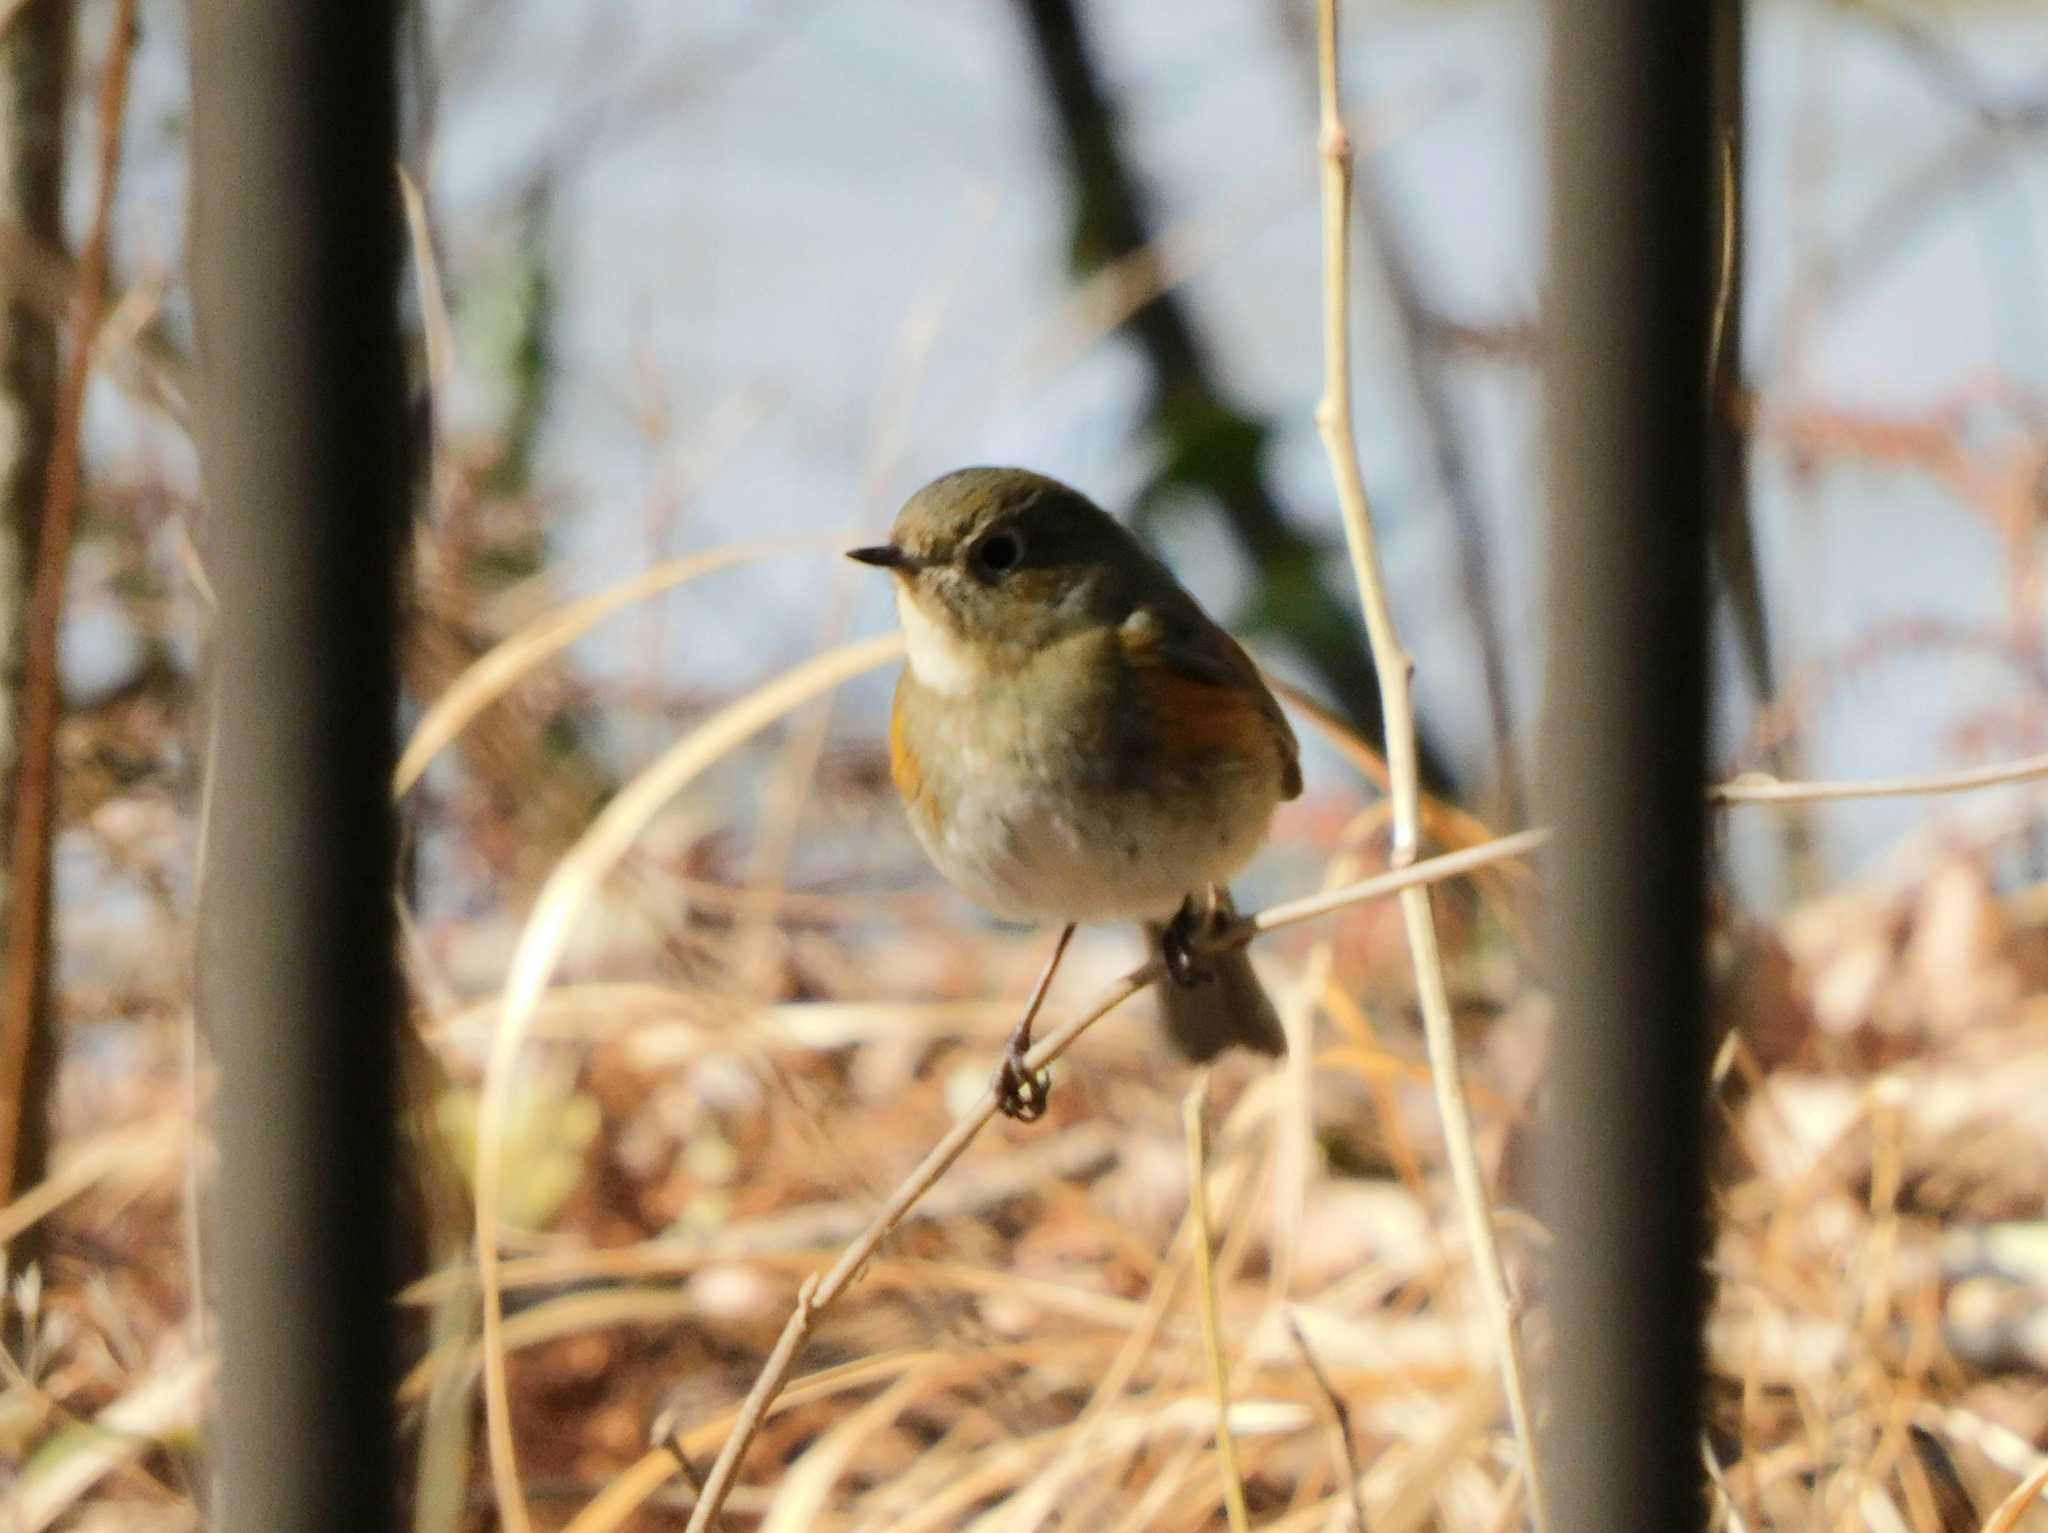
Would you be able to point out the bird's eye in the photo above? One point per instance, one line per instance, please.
(997, 554)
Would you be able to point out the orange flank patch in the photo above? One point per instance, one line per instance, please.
(903, 765)
(1196, 717)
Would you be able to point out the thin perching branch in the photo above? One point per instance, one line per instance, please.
(1761, 788)
(818, 1294)
(1333, 422)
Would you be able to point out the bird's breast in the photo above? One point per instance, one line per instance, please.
(1042, 799)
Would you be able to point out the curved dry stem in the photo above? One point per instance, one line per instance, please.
(1391, 662)
(492, 674)
(1762, 788)
(561, 901)
(2014, 1507)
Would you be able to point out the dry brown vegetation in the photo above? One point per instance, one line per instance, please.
(1031, 1336)
(764, 1015)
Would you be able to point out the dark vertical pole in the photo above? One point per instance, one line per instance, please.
(295, 281)
(1633, 175)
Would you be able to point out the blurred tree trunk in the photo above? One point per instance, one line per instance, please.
(35, 60)
(1210, 443)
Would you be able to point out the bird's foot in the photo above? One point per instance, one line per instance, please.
(1185, 964)
(1020, 1092)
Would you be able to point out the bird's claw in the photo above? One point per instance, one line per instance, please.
(1184, 964)
(1020, 1092)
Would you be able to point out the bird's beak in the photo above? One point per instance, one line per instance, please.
(883, 556)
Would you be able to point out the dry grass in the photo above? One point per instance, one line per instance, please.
(1030, 1343)
(1865, 1161)
(680, 1130)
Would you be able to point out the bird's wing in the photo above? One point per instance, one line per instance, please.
(1205, 681)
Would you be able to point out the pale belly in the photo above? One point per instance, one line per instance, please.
(1031, 853)
(1012, 805)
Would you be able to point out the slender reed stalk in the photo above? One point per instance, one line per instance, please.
(1395, 669)
(1205, 1296)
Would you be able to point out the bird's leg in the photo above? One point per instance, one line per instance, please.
(1019, 1093)
(1184, 962)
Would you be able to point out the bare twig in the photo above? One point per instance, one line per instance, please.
(695, 1476)
(1342, 1421)
(24, 999)
(1205, 1298)
(1397, 880)
(1391, 662)
(1427, 375)
(1761, 788)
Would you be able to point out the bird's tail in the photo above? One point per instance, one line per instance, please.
(1232, 1007)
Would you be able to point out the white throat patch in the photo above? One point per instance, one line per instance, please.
(937, 656)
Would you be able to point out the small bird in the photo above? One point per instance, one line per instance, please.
(1075, 740)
